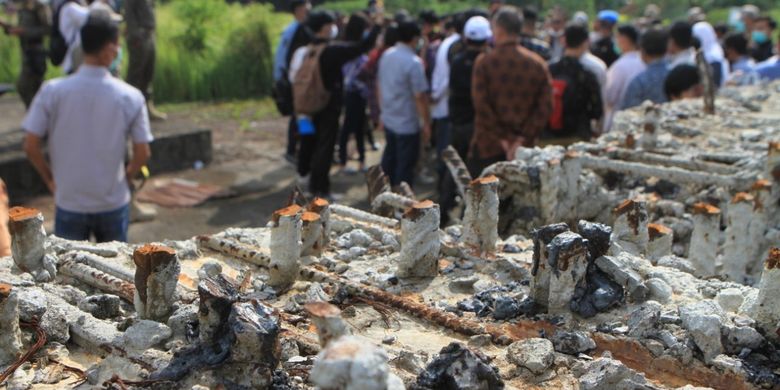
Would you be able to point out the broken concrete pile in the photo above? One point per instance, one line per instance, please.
(615, 288)
(710, 184)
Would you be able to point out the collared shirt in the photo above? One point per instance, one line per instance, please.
(648, 85)
(512, 94)
(280, 58)
(72, 18)
(685, 57)
(768, 70)
(87, 118)
(401, 77)
(619, 75)
(440, 81)
(744, 64)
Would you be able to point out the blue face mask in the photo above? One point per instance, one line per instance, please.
(739, 26)
(759, 37)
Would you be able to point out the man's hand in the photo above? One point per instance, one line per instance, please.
(426, 135)
(33, 147)
(17, 31)
(510, 146)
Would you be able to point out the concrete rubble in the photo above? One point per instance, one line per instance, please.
(647, 259)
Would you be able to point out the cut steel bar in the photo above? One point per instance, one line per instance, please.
(363, 216)
(460, 174)
(108, 266)
(235, 249)
(670, 161)
(678, 175)
(98, 279)
(391, 199)
(708, 82)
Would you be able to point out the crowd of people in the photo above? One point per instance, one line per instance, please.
(486, 81)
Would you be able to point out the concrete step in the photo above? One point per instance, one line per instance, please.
(171, 151)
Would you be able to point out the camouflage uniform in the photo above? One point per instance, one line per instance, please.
(35, 22)
(139, 16)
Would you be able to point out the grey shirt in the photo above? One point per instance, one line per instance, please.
(88, 118)
(401, 77)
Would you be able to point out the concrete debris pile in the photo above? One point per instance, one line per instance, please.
(613, 289)
(708, 185)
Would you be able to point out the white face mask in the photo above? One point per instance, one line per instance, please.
(334, 31)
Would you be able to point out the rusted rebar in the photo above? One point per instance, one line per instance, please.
(235, 249)
(98, 279)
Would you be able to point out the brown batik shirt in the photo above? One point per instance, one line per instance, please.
(512, 94)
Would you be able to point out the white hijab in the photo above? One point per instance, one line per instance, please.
(710, 47)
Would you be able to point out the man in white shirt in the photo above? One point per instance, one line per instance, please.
(622, 71)
(680, 47)
(440, 85)
(72, 16)
(86, 119)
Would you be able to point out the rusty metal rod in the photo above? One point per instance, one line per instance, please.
(98, 279)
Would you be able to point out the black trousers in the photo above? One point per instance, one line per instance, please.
(140, 68)
(400, 156)
(316, 152)
(354, 123)
(476, 163)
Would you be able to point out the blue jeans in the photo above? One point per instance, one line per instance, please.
(400, 156)
(106, 226)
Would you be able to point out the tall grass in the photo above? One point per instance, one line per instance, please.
(207, 50)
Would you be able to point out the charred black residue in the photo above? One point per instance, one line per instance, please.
(599, 294)
(598, 236)
(542, 237)
(473, 367)
(534, 177)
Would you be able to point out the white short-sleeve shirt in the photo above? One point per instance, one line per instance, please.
(87, 119)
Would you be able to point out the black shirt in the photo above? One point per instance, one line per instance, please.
(461, 69)
(582, 100)
(604, 49)
(338, 53)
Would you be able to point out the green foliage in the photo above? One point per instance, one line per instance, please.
(198, 17)
(207, 50)
(9, 52)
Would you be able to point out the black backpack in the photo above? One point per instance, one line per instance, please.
(58, 47)
(565, 96)
(283, 95)
(576, 98)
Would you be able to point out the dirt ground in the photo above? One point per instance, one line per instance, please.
(248, 142)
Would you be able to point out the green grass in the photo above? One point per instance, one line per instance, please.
(209, 50)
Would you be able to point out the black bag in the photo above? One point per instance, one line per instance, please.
(58, 47)
(283, 95)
